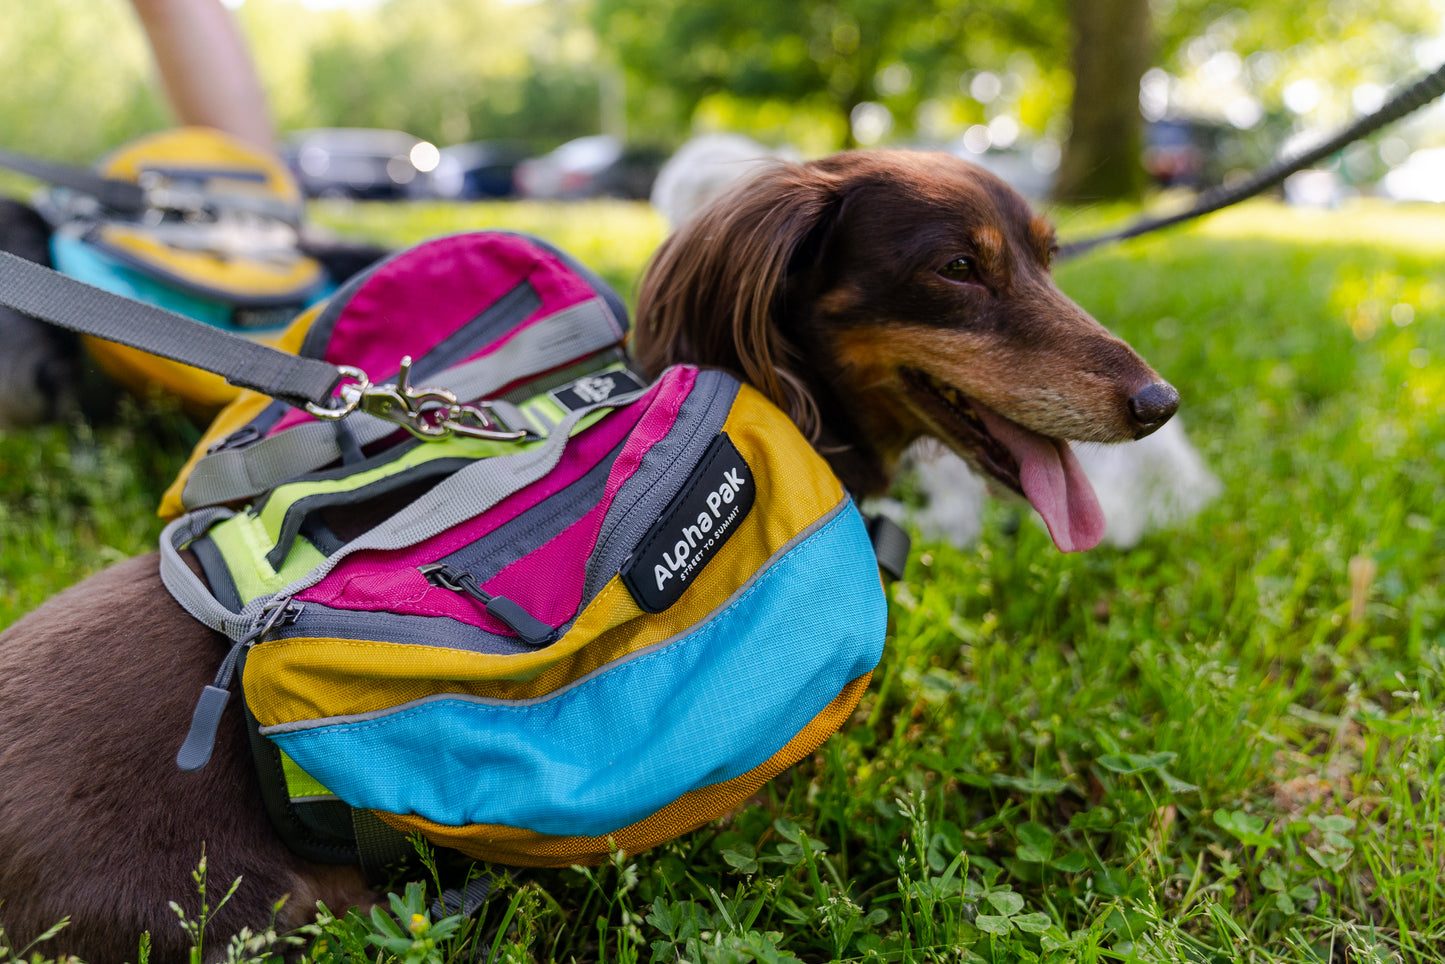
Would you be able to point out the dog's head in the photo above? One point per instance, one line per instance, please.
(880, 296)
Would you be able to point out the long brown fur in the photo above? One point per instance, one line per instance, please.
(825, 285)
(820, 285)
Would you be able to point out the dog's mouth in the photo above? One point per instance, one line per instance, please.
(1041, 469)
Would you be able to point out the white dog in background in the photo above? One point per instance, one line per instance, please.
(1153, 483)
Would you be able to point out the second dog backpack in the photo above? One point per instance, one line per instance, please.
(194, 221)
(593, 615)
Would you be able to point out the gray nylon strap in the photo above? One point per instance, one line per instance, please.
(185, 585)
(379, 845)
(50, 296)
(231, 475)
(115, 194)
(470, 491)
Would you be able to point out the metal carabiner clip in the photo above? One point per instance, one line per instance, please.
(350, 395)
(428, 413)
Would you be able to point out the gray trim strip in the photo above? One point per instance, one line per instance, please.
(187, 587)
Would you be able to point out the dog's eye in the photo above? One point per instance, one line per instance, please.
(959, 269)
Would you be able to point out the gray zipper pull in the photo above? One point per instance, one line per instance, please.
(195, 752)
(529, 628)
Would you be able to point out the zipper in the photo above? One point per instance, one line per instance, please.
(528, 628)
(200, 741)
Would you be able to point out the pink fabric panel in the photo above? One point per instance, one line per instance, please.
(422, 296)
(548, 581)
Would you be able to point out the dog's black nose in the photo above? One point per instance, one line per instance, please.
(1152, 405)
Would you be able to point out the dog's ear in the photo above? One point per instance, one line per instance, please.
(714, 293)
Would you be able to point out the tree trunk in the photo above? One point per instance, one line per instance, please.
(1111, 52)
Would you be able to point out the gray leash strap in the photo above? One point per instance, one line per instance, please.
(229, 475)
(50, 296)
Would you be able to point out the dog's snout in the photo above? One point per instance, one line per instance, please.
(1153, 405)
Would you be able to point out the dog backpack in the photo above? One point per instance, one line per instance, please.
(194, 221)
(597, 615)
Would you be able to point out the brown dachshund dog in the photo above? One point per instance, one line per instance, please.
(875, 296)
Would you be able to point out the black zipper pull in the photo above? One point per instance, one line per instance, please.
(532, 630)
(195, 752)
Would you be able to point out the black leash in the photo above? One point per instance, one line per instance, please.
(1271, 175)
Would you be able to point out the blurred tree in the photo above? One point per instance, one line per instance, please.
(825, 57)
(447, 71)
(1111, 52)
(77, 79)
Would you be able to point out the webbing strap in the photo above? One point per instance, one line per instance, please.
(378, 845)
(183, 584)
(50, 296)
(115, 194)
(127, 197)
(891, 544)
(466, 493)
(230, 475)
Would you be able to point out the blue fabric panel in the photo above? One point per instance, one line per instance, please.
(627, 741)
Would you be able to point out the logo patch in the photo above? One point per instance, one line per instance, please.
(714, 501)
(598, 387)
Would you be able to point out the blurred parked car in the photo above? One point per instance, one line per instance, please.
(481, 169)
(1022, 168)
(595, 166)
(358, 162)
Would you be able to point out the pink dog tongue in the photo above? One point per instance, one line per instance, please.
(1054, 483)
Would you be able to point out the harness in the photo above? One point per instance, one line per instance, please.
(501, 591)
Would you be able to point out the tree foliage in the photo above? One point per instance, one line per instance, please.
(79, 78)
(820, 57)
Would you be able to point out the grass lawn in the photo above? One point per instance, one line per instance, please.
(1222, 745)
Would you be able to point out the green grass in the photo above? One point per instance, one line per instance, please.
(1222, 745)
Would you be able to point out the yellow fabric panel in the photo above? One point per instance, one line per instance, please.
(244, 542)
(243, 406)
(292, 274)
(527, 848)
(311, 678)
(192, 147)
